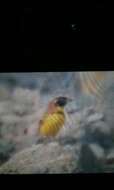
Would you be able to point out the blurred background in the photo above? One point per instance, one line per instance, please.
(24, 97)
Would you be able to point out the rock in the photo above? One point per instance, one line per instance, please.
(95, 117)
(109, 161)
(97, 150)
(90, 159)
(42, 158)
(98, 132)
(111, 154)
(88, 111)
(6, 150)
(4, 93)
(101, 127)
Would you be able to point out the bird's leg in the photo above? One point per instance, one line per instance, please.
(48, 140)
(45, 140)
(40, 140)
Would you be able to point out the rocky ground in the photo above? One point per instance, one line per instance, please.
(85, 144)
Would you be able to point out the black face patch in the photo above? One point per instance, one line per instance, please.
(61, 101)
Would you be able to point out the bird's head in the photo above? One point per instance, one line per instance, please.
(62, 101)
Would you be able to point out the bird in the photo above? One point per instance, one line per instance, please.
(54, 117)
(92, 83)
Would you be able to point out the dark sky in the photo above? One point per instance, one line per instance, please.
(45, 36)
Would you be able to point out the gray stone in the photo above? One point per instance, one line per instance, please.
(101, 126)
(90, 159)
(95, 117)
(111, 154)
(100, 133)
(97, 150)
(109, 161)
(88, 111)
(42, 158)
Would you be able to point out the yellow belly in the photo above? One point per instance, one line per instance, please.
(52, 124)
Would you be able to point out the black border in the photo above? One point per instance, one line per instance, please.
(58, 181)
(41, 40)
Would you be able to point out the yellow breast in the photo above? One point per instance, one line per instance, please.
(52, 124)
